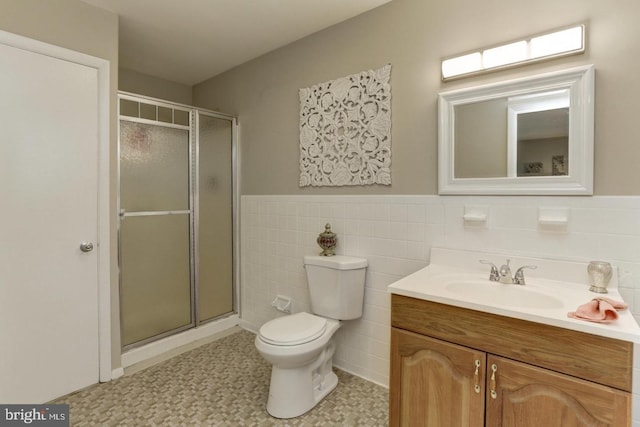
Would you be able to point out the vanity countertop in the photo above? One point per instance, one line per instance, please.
(457, 278)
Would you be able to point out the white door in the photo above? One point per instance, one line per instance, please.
(48, 207)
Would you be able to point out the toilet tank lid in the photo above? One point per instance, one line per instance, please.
(337, 262)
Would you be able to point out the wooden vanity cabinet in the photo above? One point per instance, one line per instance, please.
(457, 367)
(532, 396)
(433, 382)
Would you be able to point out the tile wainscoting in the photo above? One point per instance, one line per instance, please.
(395, 233)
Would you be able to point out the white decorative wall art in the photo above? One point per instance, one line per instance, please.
(345, 131)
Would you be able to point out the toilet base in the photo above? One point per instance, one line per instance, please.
(293, 392)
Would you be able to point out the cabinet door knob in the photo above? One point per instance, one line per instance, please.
(476, 376)
(494, 369)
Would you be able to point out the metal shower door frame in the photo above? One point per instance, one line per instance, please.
(194, 133)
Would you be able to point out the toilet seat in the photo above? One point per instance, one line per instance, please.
(292, 330)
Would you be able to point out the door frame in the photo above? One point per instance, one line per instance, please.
(102, 66)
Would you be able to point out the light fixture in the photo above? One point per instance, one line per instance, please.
(568, 41)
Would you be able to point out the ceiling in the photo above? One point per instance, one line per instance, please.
(188, 41)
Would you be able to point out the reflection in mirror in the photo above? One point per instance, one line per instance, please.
(525, 136)
(538, 128)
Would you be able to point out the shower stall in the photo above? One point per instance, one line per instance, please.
(177, 228)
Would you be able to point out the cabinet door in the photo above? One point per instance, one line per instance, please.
(530, 396)
(435, 383)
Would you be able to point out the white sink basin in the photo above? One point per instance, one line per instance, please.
(557, 287)
(516, 296)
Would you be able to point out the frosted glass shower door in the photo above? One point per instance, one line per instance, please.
(154, 230)
(215, 217)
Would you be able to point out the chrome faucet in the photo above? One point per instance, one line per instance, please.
(518, 278)
(503, 275)
(494, 275)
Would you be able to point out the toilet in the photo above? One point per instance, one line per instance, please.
(300, 346)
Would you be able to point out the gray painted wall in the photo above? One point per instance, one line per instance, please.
(414, 35)
(144, 84)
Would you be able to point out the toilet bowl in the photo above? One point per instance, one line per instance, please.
(300, 347)
(302, 373)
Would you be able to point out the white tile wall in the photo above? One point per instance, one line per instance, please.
(395, 233)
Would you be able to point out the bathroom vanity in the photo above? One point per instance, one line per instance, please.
(469, 352)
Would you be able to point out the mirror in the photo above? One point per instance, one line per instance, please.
(527, 136)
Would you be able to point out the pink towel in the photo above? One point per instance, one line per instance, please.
(600, 310)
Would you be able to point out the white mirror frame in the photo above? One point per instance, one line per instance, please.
(580, 81)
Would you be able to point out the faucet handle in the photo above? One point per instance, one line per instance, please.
(494, 275)
(518, 278)
(505, 269)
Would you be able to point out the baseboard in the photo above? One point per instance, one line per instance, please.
(167, 344)
(248, 326)
(359, 375)
(117, 373)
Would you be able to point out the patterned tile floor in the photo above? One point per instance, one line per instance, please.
(223, 383)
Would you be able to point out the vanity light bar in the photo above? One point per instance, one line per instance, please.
(568, 41)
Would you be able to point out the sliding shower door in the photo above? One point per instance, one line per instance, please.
(155, 216)
(176, 218)
(215, 217)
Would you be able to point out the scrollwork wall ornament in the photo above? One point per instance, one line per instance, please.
(345, 131)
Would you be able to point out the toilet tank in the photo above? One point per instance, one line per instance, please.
(336, 285)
